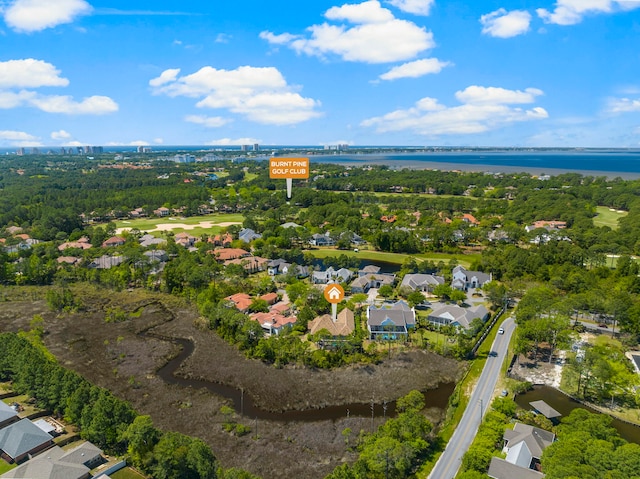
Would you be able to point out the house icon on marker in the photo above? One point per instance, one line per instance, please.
(334, 293)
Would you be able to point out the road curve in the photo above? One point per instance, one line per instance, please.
(450, 460)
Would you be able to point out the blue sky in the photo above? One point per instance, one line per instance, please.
(389, 72)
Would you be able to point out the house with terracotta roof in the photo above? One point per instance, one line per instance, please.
(113, 241)
(75, 244)
(162, 211)
(226, 254)
(251, 264)
(468, 218)
(223, 240)
(241, 301)
(270, 298)
(344, 324)
(273, 323)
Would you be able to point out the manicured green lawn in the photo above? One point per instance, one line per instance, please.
(126, 473)
(609, 218)
(5, 467)
(146, 224)
(398, 258)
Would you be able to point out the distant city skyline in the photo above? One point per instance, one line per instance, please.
(528, 73)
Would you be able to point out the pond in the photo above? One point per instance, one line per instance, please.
(564, 405)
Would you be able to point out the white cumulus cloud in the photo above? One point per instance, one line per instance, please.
(503, 24)
(623, 105)
(374, 36)
(93, 105)
(233, 142)
(208, 121)
(36, 15)
(482, 109)
(415, 69)
(16, 135)
(60, 135)
(18, 78)
(259, 94)
(29, 73)
(417, 7)
(570, 12)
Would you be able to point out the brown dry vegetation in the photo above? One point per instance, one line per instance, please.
(115, 356)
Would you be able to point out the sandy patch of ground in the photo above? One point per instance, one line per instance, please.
(541, 372)
(173, 226)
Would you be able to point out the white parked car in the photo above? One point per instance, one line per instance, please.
(501, 331)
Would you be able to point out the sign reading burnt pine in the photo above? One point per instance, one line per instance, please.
(289, 169)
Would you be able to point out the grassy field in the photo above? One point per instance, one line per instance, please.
(126, 473)
(398, 258)
(4, 467)
(195, 225)
(609, 218)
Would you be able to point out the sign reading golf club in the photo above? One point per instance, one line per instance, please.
(289, 169)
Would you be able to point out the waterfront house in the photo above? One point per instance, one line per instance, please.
(390, 321)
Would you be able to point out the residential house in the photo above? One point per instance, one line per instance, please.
(162, 211)
(363, 284)
(223, 240)
(421, 282)
(468, 218)
(523, 445)
(227, 254)
(330, 275)
(22, 438)
(241, 301)
(463, 279)
(273, 323)
(156, 255)
(12, 230)
(369, 269)
(344, 324)
(548, 225)
(83, 245)
(57, 463)
(456, 316)
(106, 262)
(277, 266)
(390, 321)
(148, 240)
(8, 415)
(70, 260)
(113, 241)
(290, 225)
(248, 235)
(270, 298)
(251, 264)
(321, 240)
(281, 307)
(185, 240)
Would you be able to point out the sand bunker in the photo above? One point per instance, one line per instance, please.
(173, 226)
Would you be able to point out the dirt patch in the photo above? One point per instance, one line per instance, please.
(184, 226)
(115, 356)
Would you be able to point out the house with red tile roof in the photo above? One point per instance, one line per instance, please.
(113, 241)
(270, 298)
(241, 301)
(273, 323)
(468, 218)
(226, 254)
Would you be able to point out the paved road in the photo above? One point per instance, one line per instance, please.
(450, 460)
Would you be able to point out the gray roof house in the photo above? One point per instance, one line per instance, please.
(322, 277)
(322, 240)
(454, 315)
(421, 282)
(363, 284)
(150, 240)
(524, 445)
(390, 321)
(57, 463)
(21, 439)
(7, 415)
(248, 235)
(463, 279)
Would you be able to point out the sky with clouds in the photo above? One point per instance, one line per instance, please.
(379, 72)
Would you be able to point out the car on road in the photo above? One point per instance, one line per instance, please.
(501, 331)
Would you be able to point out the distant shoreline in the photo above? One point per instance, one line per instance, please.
(376, 159)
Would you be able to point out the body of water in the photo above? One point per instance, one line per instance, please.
(611, 163)
(564, 405)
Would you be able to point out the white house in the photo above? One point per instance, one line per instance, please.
(463, 279)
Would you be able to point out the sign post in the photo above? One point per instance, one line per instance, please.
(334, 293)
(289, 169)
